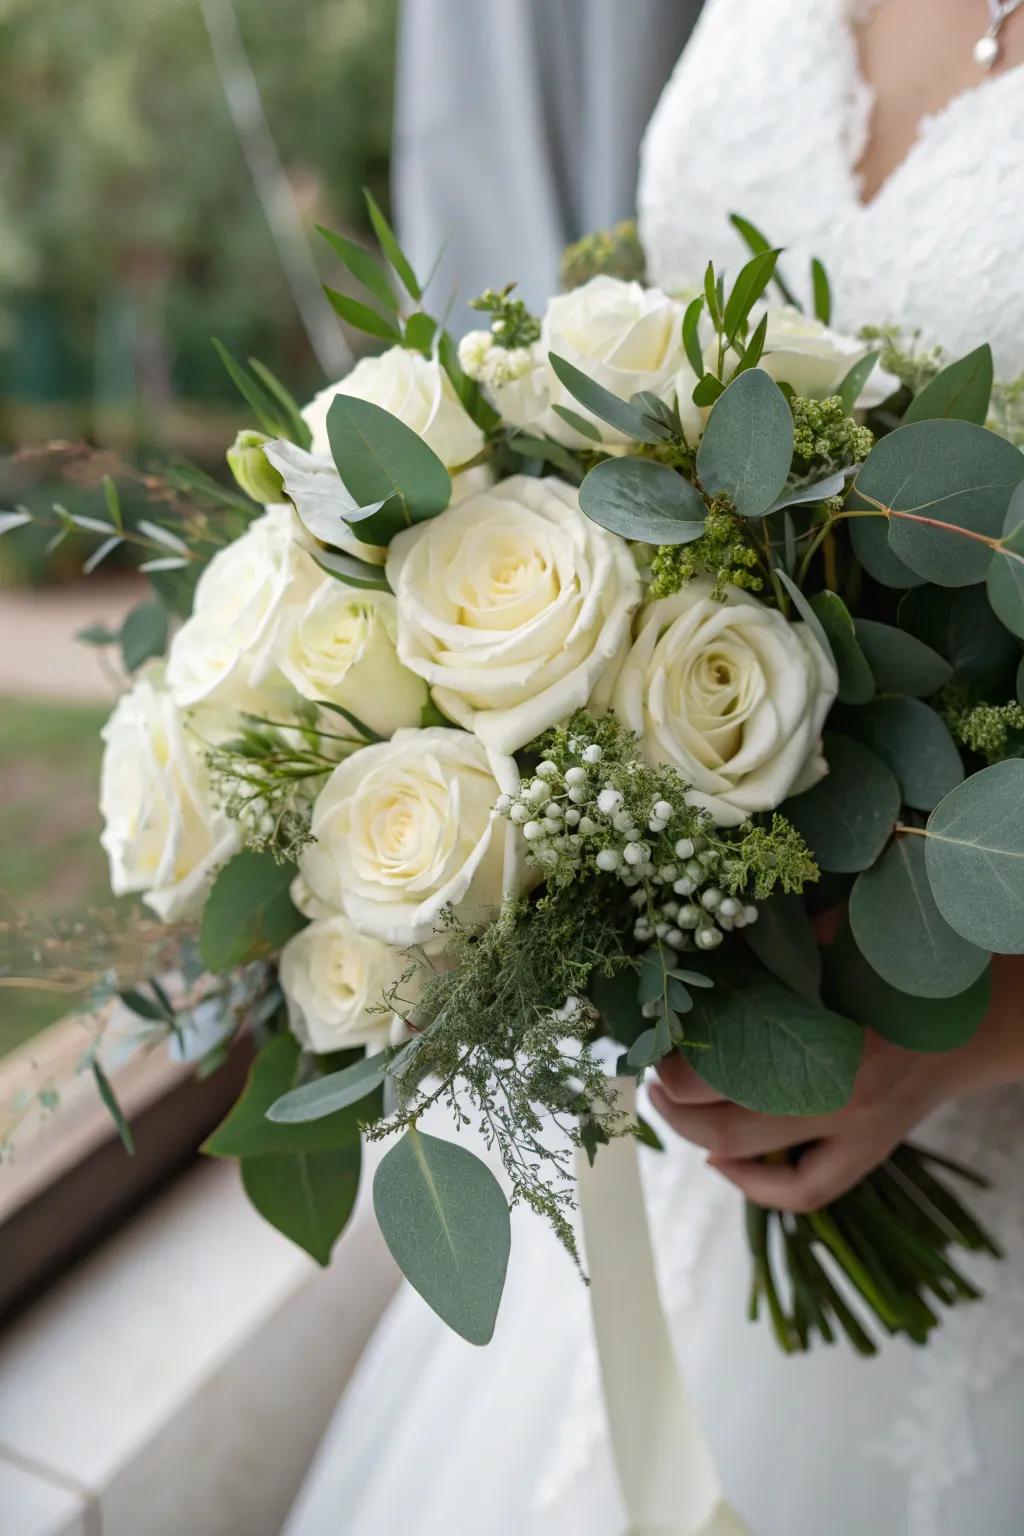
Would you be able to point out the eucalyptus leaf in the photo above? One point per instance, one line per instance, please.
(961, 391)
(747, 447)
(974, 854)
(1006, 572)
(603, 404)
(248, 1132)
(817, 490)
(870, 539)
(764, 1046)
(336, 1090)
(915, 743)
(961, 625)
(946, 486)
(900, 662)
(783, 940)
(639, 499)
(144, 634)
(352, 571)
(581, 424)
(446, 1221)
(249, 913)
(848, 817)
(902, 933)
(307, 1196)
(917, 1023)
(856, 679)
(381, 460)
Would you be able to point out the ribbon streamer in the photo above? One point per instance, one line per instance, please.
(670, 1484)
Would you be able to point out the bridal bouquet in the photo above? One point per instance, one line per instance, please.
(529, 708)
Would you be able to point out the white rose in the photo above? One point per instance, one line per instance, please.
(406, 828)
(731, 696)
(814, 360)
(162, 833)
(513, 606)
(623, 335)
(335, 981)
(320, 499)
(341, 646)
(226, 650)
(412, 387)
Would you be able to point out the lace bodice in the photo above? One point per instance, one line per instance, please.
(767, 115)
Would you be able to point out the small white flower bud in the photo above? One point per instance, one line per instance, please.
(660, 930)
(750, 914)
(635, 853)
(609, 859)
(725, 922)
(578, 795)
(546, 856)
(576, 776)
(663, 810)
(674, 938)
(684, 848)
(656, 824)
(638, 898)
(695, 869)
(708, 938)
(710, 898)
(671, 909)
(668, 873)
(592, 754)
(537, 790)
(684, 886)
(503, 804)
(519, 814)
(622, 821)
(571, 816)
(532, 831)
(551, 824)
(608, 801)
(547, 769)
(587, 826)
(554, 809)
(632, 835)
(728, 907)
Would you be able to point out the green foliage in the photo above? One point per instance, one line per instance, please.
(917, 1023)
(746, 452)
(993, 731)
(856, 679)
(901, 931)
(623, 415)
(615, 252)
(974, 853)
(249, 913)
(783, 940)
(641, 500)
(848, 816)
(1006, 573)
(336, 1090)
(961, 626)
(913, 741)
(446, 1222)
(724, 551)
(267, 777)
(900, 662)
(767, 1047)
(961, 391)
(395, 478)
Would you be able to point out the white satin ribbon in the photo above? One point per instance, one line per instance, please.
(670, 1484)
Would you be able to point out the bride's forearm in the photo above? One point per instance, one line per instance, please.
(996, 1054)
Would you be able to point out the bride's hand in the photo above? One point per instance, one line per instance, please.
(895, 1089)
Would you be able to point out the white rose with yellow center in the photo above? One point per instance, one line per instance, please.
(513, 606)
(226, 651)
(624, 335)
(336, 981)
(731, 696)
(163, 835)
(342, 646)
(407, 827)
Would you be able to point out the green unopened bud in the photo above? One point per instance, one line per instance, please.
(252, 469)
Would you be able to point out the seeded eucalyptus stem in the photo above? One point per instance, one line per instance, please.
(891, 1240)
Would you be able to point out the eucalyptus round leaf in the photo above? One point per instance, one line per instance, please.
(961, 626)
(385, 465)
(1006, 573)
(901, 932)
(975, 857)
(900, 662)
(747, 447)
(768, 1048)
(918, 1023)
(915, 743)
(870, 539)
(446, 1222)
(639, 499)
(941, 482)
(960, 392)
(856, 679)
(783, 940)
(847, 818)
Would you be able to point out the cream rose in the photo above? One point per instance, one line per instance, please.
(226, 650)
(814, 360)
(730, 695)
(162, 833)
(407, 827)
(513, 606)
(336, 981)
(412, 387)
(341, 646)
(624, 335)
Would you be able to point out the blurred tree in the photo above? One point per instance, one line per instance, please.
(130, 230)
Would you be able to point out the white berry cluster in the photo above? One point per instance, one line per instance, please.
(577, 820)
(483, 358)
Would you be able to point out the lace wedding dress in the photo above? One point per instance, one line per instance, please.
(767, 115)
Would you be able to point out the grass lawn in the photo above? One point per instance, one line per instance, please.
(50, 859)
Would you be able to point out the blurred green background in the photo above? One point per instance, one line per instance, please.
(131, 231)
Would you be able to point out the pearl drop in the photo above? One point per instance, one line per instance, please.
(986, 51)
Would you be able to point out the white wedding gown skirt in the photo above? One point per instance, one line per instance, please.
(438, 1438)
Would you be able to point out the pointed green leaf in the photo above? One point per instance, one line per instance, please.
(856, 679)
(249, 913)
(607, 407)
(822, 292)
(446, 1221)
(852, 385)
(247, 1131)
(362, 266)
(691, 334)
(382, 460)
(961, 391)
(361, 316)
(106, 1092)
(337, 1090)
(391, 248)
(144, 634)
